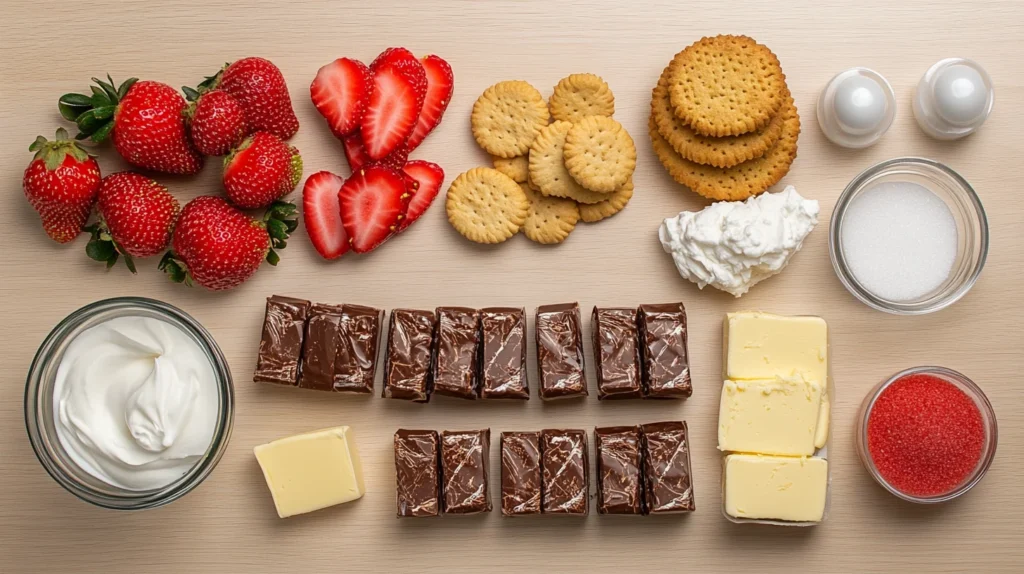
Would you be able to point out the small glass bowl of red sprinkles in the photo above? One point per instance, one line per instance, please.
(927, 434)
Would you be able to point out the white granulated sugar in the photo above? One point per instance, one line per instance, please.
(899, 240)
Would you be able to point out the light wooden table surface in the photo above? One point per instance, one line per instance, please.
(228, 524)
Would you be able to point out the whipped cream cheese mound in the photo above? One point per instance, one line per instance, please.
(733, 245)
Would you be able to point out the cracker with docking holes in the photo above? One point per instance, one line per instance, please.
(518, 168)
(549, 220)
(547, 166)
(599, 154)
(616, 202)
(720, 152)
(726, 85)
(507, 117)
(738, 182)
(581, 95)
(486, 206)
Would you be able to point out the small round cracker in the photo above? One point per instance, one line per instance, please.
(549, 220)
(726, 85)
(720, 152)
(486, 206)
(581, 95)
(599, 154)
(547, 166)
(591, 213)
(518, 168)
(737, 182)
(507, 117)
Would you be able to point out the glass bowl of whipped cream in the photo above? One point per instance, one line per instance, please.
(129, 403)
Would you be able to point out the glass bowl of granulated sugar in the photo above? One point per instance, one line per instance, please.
(908, 236)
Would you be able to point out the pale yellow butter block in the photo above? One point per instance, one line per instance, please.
(764, 346)
(824, 415)
(772, 416)
(775, 487)
(311, 471)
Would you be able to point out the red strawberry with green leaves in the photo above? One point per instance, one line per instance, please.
(137, 216)
(440, 86)
(321, 214)
(340, 92)
(259, 86)
(426, 179)
(261, 170)
(219, 247)
(61, 184)
(373, 202)
(399, 88)
(216, 121)
(145, 119)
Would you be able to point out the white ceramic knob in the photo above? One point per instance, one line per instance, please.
(856, 108)
(953, 98)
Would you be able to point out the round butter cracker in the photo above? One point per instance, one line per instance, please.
(486, 206)
(549, 220)
(518, 168)
(581, 95)
(616, 202)
(507, 117)
(599, 154)
(547, 166)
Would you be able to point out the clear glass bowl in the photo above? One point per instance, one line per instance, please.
(39, 417)
(988, 417)
(968, 213)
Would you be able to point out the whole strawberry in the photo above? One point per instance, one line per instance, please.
(137, 216)
(145, 119)
(219, 247)
(262, 169)
(216, 121)
(61, 183)
(259, 87)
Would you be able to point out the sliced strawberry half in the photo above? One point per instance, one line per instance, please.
(372, 203)
(355, 151)
(341, 92)
(399, 88)
(321, 214)
(425, 179)
(440, 85)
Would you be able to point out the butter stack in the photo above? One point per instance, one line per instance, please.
(774, 417)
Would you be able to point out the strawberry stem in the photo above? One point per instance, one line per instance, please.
(280, 220)
(94, 113)
(103, 248)
(175, 269)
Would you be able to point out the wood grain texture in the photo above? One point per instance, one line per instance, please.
(229, 525)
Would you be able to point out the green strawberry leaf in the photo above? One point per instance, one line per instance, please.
(277, 229)
(122, 91)
(273, 258)
(174, 269)
(76, 100)
(70, 112)
(102, 133)
(38, 144)
(108, 88)
(190, 93)
(129, 262)
(104, 112)
(100, 250)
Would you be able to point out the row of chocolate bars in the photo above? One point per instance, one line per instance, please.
(640, 470)
(470, 353)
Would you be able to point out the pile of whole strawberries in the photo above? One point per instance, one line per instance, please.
(243, 112)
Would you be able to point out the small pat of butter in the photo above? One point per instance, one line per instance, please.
(763, 346)
(775, 487)
(821, 435)
(773, 416)
(311, 471)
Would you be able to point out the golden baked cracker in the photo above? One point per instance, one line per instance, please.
(720, 152)
(726, 85)
(549, 220)
(594, 212)
(581, 95)
(547, 166)
(507, 117)
(737, 182)
(599, 154)
(518, 168)
(486, 206)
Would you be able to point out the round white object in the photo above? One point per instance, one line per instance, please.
(859, 105)
(960, 95)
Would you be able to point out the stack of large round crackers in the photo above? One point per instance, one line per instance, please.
(547, 176)
(723, 122)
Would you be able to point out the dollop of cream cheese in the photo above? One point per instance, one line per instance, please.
(733, 245)
(136, 402)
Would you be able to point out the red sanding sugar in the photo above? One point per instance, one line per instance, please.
(925, 435)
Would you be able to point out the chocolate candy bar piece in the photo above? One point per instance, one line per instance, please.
(456, 352)
(617, 352)
(560, 351)
(668, 483)
(320, 347)
(520, 473)
(465, 456)
(281, 344)
(503, 354)
(417, 477)
(407, 362)
(355, 364)
(564, 462)
(619, 470)
(666, 360)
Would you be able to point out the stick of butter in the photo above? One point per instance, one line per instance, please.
(765, 346)
(772, 416)
(775, 487)
(311, 471)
